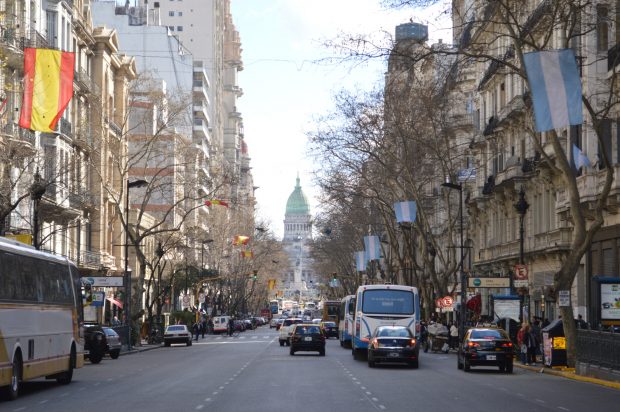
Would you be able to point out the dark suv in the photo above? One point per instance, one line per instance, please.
(96, 343)
(307, 337)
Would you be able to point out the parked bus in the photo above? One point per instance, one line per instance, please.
(274, 307)
(345, 320)
(377, 305)
(40, 317)
(330, 310)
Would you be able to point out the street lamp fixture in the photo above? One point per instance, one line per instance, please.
(129, 185)
(37, 190)
(521, 207)
(463, 306)
(202, 254)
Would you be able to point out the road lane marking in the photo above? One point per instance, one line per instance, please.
(199, 407)
(382, 407)
(539, 400)
(563, 408)
(375, 399)
(19, 409)
(207, 399)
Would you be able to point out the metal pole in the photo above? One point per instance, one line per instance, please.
(127, 274)
(463, 277)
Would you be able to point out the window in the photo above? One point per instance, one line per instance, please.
(180, 13)
(171, 28)
(602, 28)
(388, 302)
(179, 28)
(171, 13)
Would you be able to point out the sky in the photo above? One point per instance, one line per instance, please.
(285, 90)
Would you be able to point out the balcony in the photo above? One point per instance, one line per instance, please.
(497, 250)
(64, 127)
(22, 139)
(200, 110)
(83, 80)
(200, 90)
(554, 239)
(108, 261)
(36, 40)
(201, 130)
(201, 71)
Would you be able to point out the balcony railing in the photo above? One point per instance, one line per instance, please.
(65, 127)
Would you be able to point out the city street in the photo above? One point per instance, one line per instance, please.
(253, 373)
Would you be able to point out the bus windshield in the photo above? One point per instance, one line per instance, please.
(388, 302)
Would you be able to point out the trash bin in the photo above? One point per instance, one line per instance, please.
(554, 344)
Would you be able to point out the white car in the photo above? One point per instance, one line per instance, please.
(286, 329)
(177, 334)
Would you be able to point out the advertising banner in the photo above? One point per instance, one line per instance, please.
(506, 308)
(610, 301)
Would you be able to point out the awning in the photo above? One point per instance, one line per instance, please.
(116, 302)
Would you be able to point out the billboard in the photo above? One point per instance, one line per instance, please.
(610, 301)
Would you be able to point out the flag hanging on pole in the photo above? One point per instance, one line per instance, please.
(216, 202)
(579, 158)
(556, 88)
(360, 261)
(247, 254)
(405, 211)
(48, 88)
(373, 250)
(240, 240)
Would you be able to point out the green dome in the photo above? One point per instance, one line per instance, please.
(297, 203)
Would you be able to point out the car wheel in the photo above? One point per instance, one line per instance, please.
(115, 354)
(66, 377)
(12, 391)
(357, 354)
(466, 365)
(501, 367)
(288, 342)
(322, 352)
(95, 357)
(509, 367)
(341, 344)
(459, 365)
(281, 343)
(167, 344)
(292, 352)
(414, 364)
(189, 343)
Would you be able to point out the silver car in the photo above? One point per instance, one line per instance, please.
(177, 334)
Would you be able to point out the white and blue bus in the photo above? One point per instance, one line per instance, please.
(377, 305)
(345, 321)
(40, 317)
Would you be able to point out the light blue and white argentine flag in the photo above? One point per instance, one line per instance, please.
(373, 250)
(405, 211)
(556, 88)
(360, 261)
(579, 158)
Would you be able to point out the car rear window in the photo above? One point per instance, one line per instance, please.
(110, 332)
(176, 328)
(329, 323)
(307, 330)
(393, 332)
(488, 334)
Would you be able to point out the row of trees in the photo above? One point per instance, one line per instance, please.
(400, 143)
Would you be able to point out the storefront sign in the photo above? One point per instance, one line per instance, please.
(110, 281)
(98, 299)
(610, 301)
(488, 282)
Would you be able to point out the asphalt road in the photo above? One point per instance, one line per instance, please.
(253, 373)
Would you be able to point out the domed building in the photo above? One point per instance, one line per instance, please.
(297, 235)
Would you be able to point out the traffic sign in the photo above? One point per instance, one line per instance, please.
(448, 301)
(520, 272)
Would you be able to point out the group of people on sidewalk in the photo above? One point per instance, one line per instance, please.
(529, 339)
(204, 327)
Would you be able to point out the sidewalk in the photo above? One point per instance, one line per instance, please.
(137, 349)
(568, 373)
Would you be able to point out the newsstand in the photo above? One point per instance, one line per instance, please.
(554, 344)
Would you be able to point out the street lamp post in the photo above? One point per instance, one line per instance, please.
(521, 207)
(129, 185)
(463, 306)
(37, 190)
(202, 254)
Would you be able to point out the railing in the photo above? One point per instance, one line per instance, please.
(83, 80)
(36, 40)
(12, 129)
(599, 348)
(116, 129)
(65, 127)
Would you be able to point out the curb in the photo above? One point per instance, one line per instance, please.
(570, 374)
(141, 349)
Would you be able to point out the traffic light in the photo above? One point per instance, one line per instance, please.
(254, 275)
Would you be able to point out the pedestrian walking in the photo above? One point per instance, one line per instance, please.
(203, 328)
(454, 336)
(581, 324)
(525, 329)
(537, 332)
(530, 343)
(196, 329)
(210, 326)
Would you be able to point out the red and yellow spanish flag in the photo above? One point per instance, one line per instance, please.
(48, 88)
(241, 240)
(247, 254)
(216, 202)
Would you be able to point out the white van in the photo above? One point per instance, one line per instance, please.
(220, 324)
